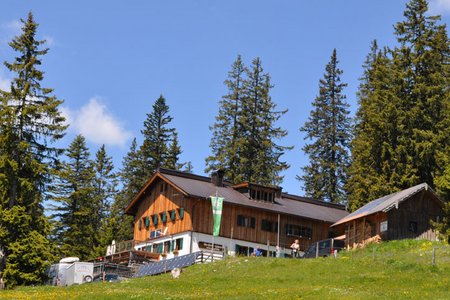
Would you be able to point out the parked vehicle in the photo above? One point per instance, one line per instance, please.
(108, 277)
(325, 248)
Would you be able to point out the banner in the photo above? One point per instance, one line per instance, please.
(217, 203)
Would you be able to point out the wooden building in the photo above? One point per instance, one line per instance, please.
(405, 214)
(173, 214)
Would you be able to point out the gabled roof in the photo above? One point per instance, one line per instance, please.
(386, 203)
(201, 187)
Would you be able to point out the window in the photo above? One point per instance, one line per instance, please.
(140, 224)
(266, 225)
(413, 227)
(298, 231)
(246, 221)
(155, 233)
(147, 221)
(179, 244)
(166, 246)
(155, 220)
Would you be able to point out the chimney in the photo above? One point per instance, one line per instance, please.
(217, 177)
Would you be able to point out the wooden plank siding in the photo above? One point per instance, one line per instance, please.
(162, 197)
(419, 209)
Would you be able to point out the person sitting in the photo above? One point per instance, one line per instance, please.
(295, 249)
(257, 252)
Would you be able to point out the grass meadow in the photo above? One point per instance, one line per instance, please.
(390, 270)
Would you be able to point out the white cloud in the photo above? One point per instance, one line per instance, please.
(440, 7)
(96, 124)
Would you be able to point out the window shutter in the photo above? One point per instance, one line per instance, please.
(155, 220)
(163, 217)
(140, 224)
(181, 213)
(147, 221)
(173, 215)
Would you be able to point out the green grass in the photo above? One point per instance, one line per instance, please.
(394, 270)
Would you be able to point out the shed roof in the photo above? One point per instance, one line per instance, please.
(386, 203)
(201, 187)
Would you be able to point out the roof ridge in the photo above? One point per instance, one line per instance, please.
(312, 201)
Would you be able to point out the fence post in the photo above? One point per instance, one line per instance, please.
(317, 250)
(433, 259)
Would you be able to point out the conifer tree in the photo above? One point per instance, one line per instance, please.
(173, 154)
(157, 136)
(329, 128)
(29, 123)
(228, 129)
(244, 134)
(76, 202)
(105, 183)
(259, 155)
(407, 103)
(120, 225)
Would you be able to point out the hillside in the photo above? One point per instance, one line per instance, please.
(393, 270)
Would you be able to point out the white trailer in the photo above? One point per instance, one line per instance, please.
(78, 273)
(70, 271)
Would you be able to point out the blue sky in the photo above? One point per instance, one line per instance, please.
(110, 60)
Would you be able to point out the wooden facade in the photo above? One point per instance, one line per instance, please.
(187, 213)
(409, 217)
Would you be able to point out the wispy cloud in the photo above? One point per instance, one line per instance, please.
(50, 40)
(440, 7)
(4, 84)
(97, 124)
(15, 26)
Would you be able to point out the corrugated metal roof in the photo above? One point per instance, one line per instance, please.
(384, 204)
(201, 187)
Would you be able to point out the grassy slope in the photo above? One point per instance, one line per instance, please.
(401, 269)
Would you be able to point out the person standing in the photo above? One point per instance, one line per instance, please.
(295, 249)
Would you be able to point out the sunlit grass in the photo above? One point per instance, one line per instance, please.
(394, 270)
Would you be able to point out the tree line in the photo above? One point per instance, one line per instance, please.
(400, 137)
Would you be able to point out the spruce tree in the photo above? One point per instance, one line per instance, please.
(328, 127)
(173, 154)
(105, 183)
(259, 154)
(407, 103)
(76, 201)
(228, 129)
(120, 225)
(29, 123)
(157, 135)
(244, 134)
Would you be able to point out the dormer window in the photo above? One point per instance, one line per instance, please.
(258, 192)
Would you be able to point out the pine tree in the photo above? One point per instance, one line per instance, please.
(105, 183)
(329, 128)
(228, 129)
(76, 202)
(259, 155)
(157, 136)
(29, 123)
(407, 103)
